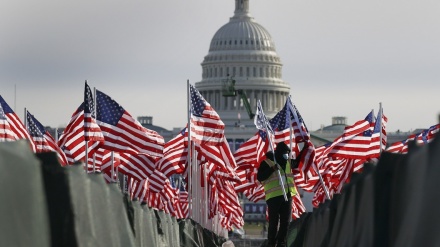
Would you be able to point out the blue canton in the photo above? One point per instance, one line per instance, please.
(197, 102)
(89, 106)
(5, 106)
(108, 110)
(35, 128)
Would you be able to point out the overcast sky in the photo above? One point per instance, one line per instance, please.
(340, 57)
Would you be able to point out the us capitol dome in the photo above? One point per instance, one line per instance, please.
(242, 67)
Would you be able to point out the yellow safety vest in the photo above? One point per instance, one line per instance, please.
(272, 187)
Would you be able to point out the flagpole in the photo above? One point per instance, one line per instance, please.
(113, 166)
(92, 113)
(206, 196)
(188, 160)
(25, 118)
(381, 123)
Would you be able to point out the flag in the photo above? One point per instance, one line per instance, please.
(103, 163)
(378, 136)
(427, 135)
(44, 142)
(260, 119)
(248, 158)
(298, 207)
(12, 127)
(91, 129)
(73, 142)
(206, 126)
(221, 156)
(253, 150)
(175, 154)
(355, 141)
(6, 133)
(287, 117)
(123, 133)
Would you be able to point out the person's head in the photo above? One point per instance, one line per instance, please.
(282, 152)
(282, 148)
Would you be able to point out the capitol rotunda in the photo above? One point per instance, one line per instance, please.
(242, 50)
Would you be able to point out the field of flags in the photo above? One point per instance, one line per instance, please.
(195, 175)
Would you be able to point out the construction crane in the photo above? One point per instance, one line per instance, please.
(228, 90)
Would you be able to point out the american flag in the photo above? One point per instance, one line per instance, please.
(284, 119)
(72, 141)
(123, 133)
(206, 126)
(255, 193)
(401, 146)
(397, 147)
(355, 141)
(221, 156)
(91, 129)
(6, 133)
(253, 150)
(298, 207)
(181, 202)
(103, 163)
(175, 154)
(378, 136)
(44, 142)
(12, 127)
(427, 135)
(248, 158)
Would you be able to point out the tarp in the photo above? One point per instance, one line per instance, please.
(24, 217)
(86, 210)
(394, 203)
(45, 204)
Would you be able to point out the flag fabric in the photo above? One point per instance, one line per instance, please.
(253, 150)
(378, 137)
(6, 133)
(181, 202)
(175, 154)
(355, 141)
(123, 133)
(298, 207)
(43, 140)
(260, 119)
(72, 140)
(12, 127)
(91, 129)
(221, 156)
(255, 193)
(427, 135)
(398, 147)
(141, 167)
(286, 118)
(102, 159)
(248, 158)
(206, 126)
(424, 137)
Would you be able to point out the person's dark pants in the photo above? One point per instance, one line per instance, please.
(280, 211)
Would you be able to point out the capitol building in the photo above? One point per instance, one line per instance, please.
(242, 67)
(242, 51)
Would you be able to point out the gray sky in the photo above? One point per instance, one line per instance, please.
(341, 57)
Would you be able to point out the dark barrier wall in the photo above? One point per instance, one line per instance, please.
(394, 203)
(23, 208)
(44, 204)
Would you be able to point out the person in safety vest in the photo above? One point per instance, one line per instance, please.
(279, 210)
